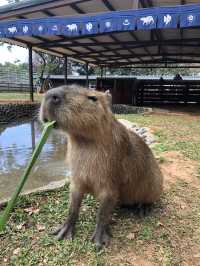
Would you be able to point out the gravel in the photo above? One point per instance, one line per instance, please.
(129, 109)
(143, 132)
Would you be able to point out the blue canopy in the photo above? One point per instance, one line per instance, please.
(182, 16)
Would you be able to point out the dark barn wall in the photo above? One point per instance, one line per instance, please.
(123, 90)
(131, 91)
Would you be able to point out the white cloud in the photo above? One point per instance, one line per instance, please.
(3, 2)
(16, 53)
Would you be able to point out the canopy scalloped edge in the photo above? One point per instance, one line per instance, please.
(182, 16)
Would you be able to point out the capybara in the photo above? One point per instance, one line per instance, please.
(106, 159)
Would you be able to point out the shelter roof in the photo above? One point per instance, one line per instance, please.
(107, 32)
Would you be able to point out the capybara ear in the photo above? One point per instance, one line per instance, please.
(107, 92)
(108, 97)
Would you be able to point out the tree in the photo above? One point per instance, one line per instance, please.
(51, 65)
(13, 1)
(80, 68)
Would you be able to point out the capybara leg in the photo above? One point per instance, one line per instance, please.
(144, 209)
(68, 228)
(140, 209)
(101, 234)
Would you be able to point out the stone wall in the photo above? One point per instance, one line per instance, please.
(10, 112)
(129, 109)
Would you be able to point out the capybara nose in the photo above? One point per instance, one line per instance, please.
(55, 99)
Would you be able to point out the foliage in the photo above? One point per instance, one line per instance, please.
(48, 64)
(81, 68)
(14, 66)
(154, 71)
(13, 1)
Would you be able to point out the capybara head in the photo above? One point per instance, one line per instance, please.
(76, 110)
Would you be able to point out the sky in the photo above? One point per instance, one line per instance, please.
(17, 53)
(3, 2)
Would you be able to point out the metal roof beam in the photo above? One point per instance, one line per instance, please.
(69, 48)
(157, 60)
(133, 47)
(44, 40)
(136, 39)
(111, 8)
(130, 51)
(108, 5)
(159, 66)
(155, 33)
(182, 30)
(194, 41)
(145, 55)
(62, 37)
(35, 6)
(48, 13)
(30, 44)
(77, 9)
(148, 62)
(80, 11)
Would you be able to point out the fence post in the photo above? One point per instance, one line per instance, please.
(87, 75)
(30, 64)
(65, 69)
(101, 72)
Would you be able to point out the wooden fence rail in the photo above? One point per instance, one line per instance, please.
(167, 92)
(149, 91)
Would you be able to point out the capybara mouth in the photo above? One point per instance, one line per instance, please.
(56, 126)
(46, 120)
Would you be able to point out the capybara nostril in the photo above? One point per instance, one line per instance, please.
(55, 99)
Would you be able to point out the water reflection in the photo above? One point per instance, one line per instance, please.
(17, 143)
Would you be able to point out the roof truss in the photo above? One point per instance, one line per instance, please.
(92, 48)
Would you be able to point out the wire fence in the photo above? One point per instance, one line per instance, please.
(14, 85)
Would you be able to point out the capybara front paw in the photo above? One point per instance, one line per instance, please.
(65, 231)
(143, 209)
(101, 238)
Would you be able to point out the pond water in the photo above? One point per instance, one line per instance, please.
(17, 142)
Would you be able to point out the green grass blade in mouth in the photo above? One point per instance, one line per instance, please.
(45, 133)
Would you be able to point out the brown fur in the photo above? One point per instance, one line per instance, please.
(106, 160)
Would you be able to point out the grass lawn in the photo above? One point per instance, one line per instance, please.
(18, 96)
(169, 235)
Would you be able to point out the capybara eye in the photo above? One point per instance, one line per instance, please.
(92, 98)
(55, 99)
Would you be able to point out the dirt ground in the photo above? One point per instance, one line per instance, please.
(181, 184)
(177, 167)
